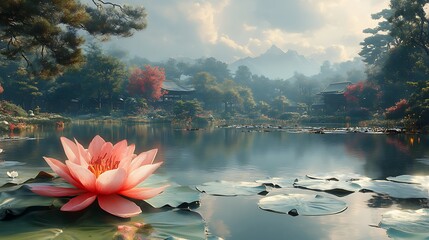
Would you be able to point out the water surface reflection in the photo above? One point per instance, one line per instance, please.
(195, 157)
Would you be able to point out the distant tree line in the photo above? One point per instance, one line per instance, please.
(46, 63)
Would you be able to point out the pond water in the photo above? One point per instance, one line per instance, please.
(195, 157)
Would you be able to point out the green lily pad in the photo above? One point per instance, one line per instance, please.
(331, 186)
(395, 189)
(334, 176)
(277, 182)
(302, 204)
(406, 224)
(24, 175)
(16, 201)
(423, 180)
(227, 188)
(92, 223)
(176, 196)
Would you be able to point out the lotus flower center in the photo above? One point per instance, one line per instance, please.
(102, 164)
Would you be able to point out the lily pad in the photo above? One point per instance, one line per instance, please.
(302, 204)
(277, 182)
(331, 186)
(423, 180)
(176, 196)
(24, 175)
(395, 189)
(227, 188)
(406, 224)
(334, 176)
(92, 223)
(15, 202)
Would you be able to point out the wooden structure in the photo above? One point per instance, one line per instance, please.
(176, 91)
(331, 99)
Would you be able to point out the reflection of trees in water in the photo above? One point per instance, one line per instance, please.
(385, 201)
(211, 149)
(388, 155)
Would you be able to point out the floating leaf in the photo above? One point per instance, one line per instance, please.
(277, 182)
(18, 200)
(92, 223)
(406, 224)
(24, 175)
(334, 176)
(175, 196)
(227, 188)
(423, 180)
(302, 204)
(332, 186)
(394, 189)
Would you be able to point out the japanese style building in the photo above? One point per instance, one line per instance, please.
(331, 99)
(176, 91)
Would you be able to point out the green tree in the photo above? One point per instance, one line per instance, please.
(279, 105)
(219, 70)
(187, 109)
(231, 96)
(48, 35)
(376, 46)
(103, 77)
(410, 23)
(243, 76)
(418, 109)
(246, 95)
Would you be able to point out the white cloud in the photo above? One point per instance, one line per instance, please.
(232, 44)
(249, 28)
(204, 15)
(227, 29)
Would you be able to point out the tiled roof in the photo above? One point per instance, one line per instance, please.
(336, 88)
(173, 86)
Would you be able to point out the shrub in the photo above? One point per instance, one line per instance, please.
(7, 108)
(397, 111)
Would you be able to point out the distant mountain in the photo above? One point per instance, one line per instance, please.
(275, 63)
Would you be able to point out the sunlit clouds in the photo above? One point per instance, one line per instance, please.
(232, 29)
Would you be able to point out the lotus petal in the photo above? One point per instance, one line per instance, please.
(140, 174)
(52, 191)
(63, 171)
(143, 193)
(111, 181)
(70, 149)
(118, 206)
(85, 177)
(80, 202)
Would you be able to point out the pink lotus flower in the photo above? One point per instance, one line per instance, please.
(103, 171)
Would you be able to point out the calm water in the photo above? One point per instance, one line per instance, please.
(195, 157)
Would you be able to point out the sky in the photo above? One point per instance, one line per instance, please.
(232, 29)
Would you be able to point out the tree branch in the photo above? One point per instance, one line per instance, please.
(97, 3)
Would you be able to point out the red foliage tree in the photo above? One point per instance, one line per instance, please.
(147, 83)
(362, 94)
(398, 110)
